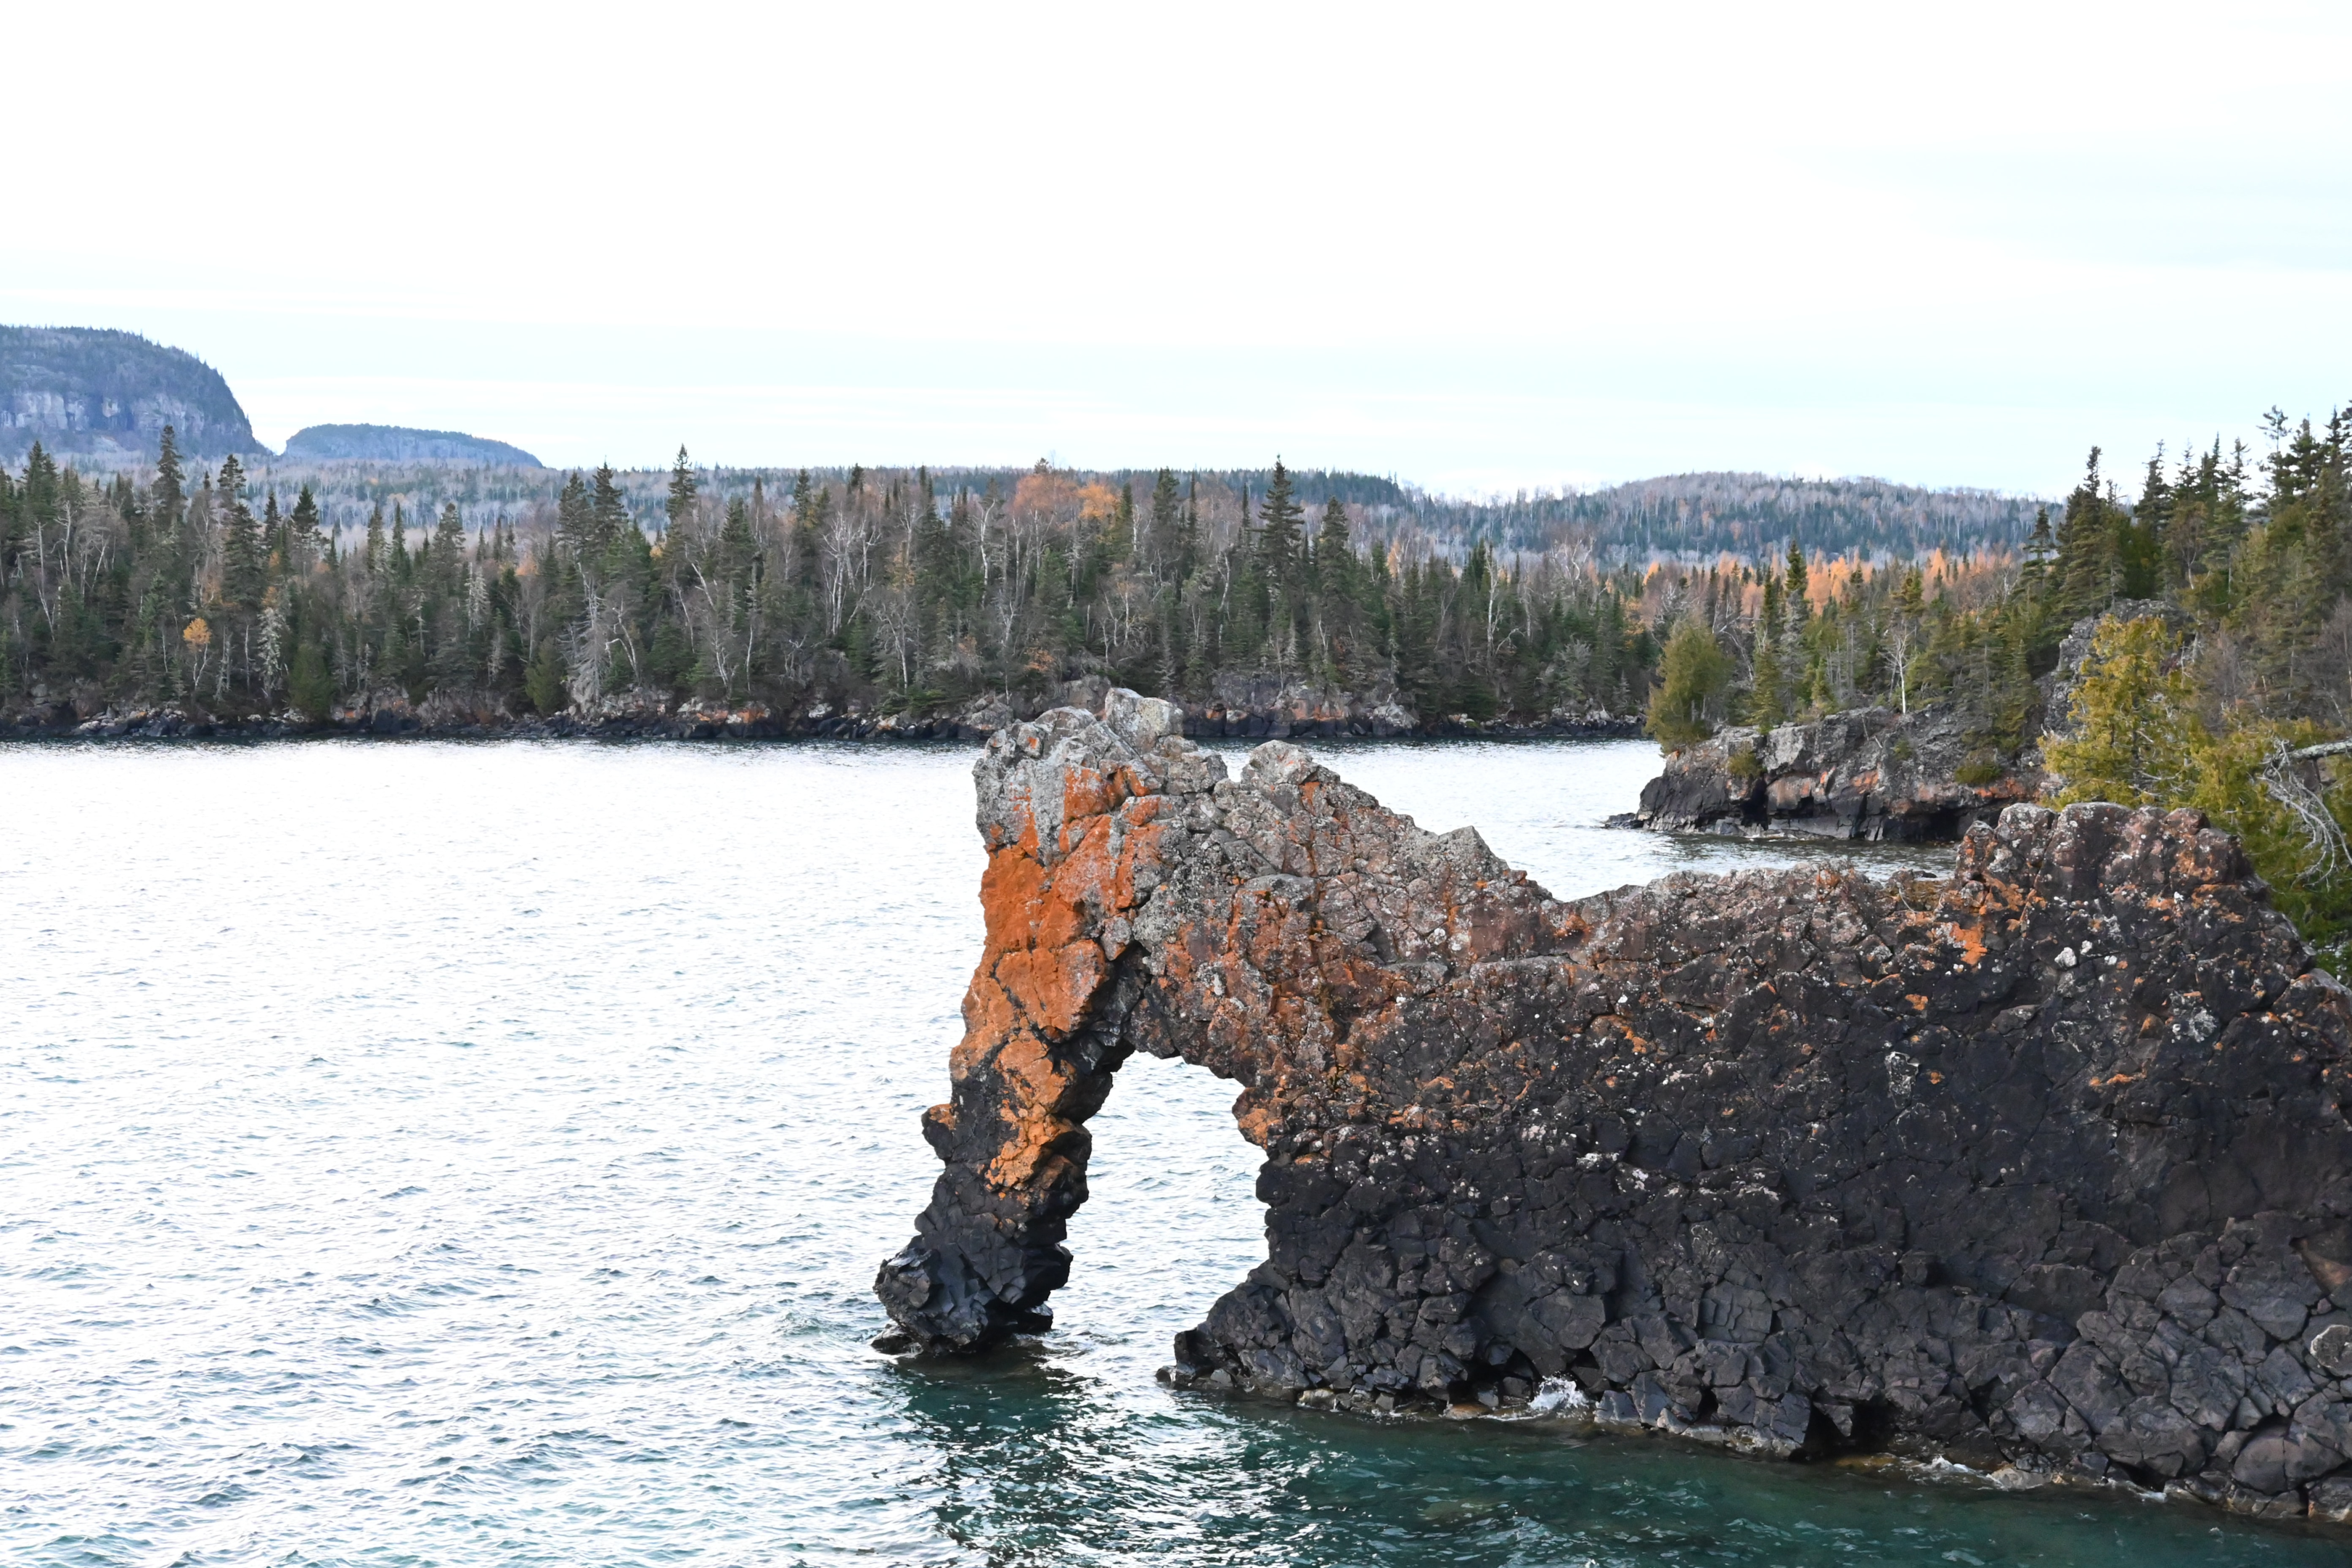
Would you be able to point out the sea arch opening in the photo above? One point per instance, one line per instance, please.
(1172, 1219)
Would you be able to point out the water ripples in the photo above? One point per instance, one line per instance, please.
(443, 1154)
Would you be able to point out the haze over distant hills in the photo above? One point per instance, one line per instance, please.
(101, 398)
(90, 392)
(399, 443)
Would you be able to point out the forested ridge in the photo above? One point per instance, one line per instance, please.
(1692, 518)
(328, 444)
(880, 588)
(105, 395)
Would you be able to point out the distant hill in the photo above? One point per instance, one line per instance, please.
(398, 444)
(1695, 517)
(92, 392)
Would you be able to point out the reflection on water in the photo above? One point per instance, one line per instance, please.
(481, 1154)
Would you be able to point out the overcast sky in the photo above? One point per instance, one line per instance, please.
(1480, 247)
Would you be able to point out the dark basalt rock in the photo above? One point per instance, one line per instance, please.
(1870, 773)
(2044, 1162)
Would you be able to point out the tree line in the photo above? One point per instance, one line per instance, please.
(880, 589)
(2224, 649)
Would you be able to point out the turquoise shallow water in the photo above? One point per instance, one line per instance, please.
(481, 1154)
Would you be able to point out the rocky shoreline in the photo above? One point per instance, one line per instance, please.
(2041, 1167)
(1869, 773)
(1263, 709)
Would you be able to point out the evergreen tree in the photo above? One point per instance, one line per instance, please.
(1684, 706)
(2089, 564)
(169, 497)
(1278, 532)
(1162, 537)
(242, 566)
(1798, 603)
(449, 547)
(303, 527)
(2041, 549)
(683, 489)
(608, 509)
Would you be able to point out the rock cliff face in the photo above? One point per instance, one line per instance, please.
(1869, 773)
(2046, 1163)
(91, 393)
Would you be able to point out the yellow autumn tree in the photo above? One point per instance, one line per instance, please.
(1689, 695)
(2136, 741)
(2131, 719)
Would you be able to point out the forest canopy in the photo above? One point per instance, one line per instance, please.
(912, 591)
(877, 588)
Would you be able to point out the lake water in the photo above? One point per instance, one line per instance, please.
(451, 1154)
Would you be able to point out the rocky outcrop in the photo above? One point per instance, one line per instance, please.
(1868, 773)
(1261, 708)
(2045, 1163)
(1871, 773)
(443, 715)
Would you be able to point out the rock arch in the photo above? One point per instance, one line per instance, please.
(2045, 1161)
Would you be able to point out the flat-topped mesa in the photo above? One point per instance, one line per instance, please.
(2045, 1161)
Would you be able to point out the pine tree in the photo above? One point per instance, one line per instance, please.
(1332, 554)
(449, 550)
(1798, 604)
(2041, 549)
(1278, 532)
(242, 573)
(169, 496)
(683, 489)
(303, 527)
(1165, 518)
(2088, 564)
(608, 509)
(2140, 538)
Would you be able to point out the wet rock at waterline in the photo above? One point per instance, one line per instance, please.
(1870, 773)
(2044, 1162)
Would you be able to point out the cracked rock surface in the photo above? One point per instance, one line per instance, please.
(2045, 1163)
(1869, 773)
